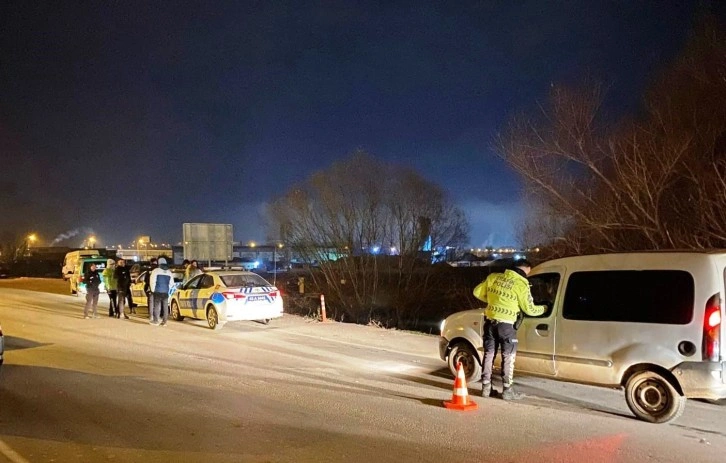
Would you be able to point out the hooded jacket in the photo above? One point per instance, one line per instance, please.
(109, 279)
(506, 294)
(161, 279)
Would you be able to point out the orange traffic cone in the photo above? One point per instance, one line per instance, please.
(460, 399)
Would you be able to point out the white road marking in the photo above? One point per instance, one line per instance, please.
(11, 454)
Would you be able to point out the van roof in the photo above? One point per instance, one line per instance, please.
(611, 256)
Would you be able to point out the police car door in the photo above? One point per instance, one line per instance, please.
(187, 296)
(204, 293)
(536, 336)
(137, 290)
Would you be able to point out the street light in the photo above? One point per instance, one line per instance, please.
(274, 263)
(91, 241)
(32, 238)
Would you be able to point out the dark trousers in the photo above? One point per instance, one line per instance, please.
(130, 298)
(498, 334)
(112, 308)
(161, 307)
(120, 303)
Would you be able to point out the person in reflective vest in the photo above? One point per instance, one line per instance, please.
(506, 295)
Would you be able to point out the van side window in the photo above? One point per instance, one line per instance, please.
(640, 296)
(544, 290)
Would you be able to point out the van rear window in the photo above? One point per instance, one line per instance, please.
(100, 266)
(640, 296)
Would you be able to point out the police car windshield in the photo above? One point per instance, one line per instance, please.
(232, 281)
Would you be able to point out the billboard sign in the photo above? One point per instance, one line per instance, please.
(207, 241)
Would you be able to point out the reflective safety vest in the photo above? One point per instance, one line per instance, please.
(506, 294)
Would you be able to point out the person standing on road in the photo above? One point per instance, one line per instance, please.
(161, 282)
(186, 265)
(147, 288)
(130, 296)
(192, 271)
(123, 283)
(93, 281)
(109, 281)
(506, 294)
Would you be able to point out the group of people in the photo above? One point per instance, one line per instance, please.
(116, 277)
(117, 280)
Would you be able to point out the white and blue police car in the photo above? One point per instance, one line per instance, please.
(222, 296)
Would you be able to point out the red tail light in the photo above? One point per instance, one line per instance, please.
(712, 329)
(273, 294)
(233, 295)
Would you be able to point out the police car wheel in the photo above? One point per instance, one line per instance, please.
(213, 318)
(463, 352)
(652, 398)
(175, 314)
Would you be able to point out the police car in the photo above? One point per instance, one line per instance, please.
(222, 296)
(137, 287)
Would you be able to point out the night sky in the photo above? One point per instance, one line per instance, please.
(128, 119)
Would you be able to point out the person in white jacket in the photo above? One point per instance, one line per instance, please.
(160, 283)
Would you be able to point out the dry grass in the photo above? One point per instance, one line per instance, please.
(43, 285)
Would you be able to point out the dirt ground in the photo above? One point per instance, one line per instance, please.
(43, 285)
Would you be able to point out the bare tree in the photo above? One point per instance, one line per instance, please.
(365, 222)
(649, 182)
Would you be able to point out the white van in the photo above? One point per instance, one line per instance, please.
(71, 260)
(648, 322)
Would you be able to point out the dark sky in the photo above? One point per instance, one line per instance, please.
(130, 118)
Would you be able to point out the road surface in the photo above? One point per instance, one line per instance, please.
(293, 391)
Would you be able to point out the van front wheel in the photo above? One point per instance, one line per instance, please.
(463, 352)
(652, 398)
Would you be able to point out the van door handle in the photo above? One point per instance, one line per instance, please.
(543, 329)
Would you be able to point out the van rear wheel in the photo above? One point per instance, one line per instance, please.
(652, 398)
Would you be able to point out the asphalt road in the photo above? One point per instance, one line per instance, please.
(293, 391)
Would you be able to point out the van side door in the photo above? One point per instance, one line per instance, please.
(536, 336)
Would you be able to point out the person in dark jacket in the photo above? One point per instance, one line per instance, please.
(93, 281)
(123, 285)
(147, 289)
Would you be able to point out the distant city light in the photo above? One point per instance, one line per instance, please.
(376, 249)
